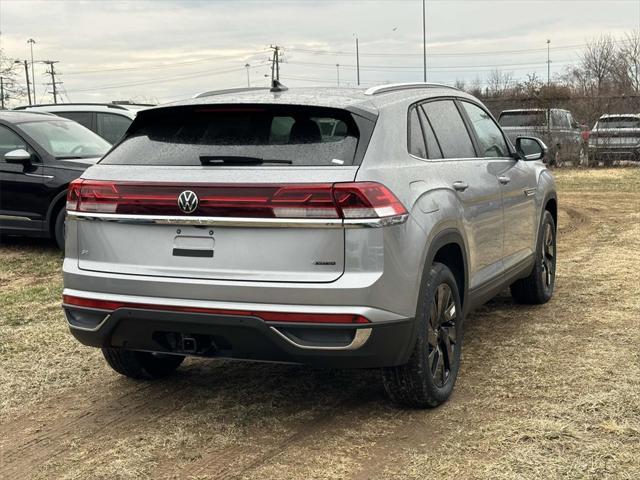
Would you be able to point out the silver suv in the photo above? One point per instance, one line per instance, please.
(330, 227)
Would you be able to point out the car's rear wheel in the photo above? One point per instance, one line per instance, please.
(58, 228)
(428, 378)
(141, 365)
(538, 287)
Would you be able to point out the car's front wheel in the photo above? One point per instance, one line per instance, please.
(141, 365)
(428, 378)
(538, 287)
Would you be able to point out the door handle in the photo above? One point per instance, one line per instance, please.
(460, 186)
(503, 180)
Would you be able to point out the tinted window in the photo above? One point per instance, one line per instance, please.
(449, 128)
(523, 118)
(489, 135)
(295, 135)
(416, 138)
(65, 139)
(9, 141)
(111, 127)
(618, 122)
(83, 118)
(433, 149)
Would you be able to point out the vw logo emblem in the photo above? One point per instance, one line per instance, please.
(188, 201)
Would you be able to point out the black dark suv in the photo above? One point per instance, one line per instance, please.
(39, 155)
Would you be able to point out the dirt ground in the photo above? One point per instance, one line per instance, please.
(544, 392)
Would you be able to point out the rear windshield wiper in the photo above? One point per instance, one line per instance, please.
(238, 160)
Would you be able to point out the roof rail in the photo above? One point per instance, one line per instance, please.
(394, 87)
(121, 106)
(228, 90)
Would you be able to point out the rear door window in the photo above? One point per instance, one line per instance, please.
(240, 134)
(112, 127)
(433, 149)
(490, 138)
(450, 129)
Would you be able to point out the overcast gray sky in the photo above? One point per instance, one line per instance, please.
(166, 50)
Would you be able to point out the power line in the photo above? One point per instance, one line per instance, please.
(166, 65)
(453, 54)
(165, 79)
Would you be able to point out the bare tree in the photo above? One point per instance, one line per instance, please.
(597, 62)
(627, 71)
(11, 88)
(499, 83)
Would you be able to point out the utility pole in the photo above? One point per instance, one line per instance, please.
(548, 64)
(275, 64)
(31, 42)
(1, 93)
(53, 83)
(247, 66)
(338, 72)
(424, 38)
(26, 73)
(357, 61)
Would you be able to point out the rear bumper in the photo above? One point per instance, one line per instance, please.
(618, 153)
(386, 341)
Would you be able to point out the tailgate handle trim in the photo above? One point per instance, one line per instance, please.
(189, 252)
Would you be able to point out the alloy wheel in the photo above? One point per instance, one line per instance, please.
(548, 255)
(442, 336)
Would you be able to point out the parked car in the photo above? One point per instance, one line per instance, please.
(109, 120)
(556, 127)
(615, 137)
(239, 225)
(39, 155)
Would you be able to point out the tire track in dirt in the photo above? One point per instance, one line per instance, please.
(108, 412)
(233, 462)
(412, 430)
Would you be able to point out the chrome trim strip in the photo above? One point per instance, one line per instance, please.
(14, 217)
(240, 222)
(37, 175)
(529, 192)
(359, 339)
(85, 329)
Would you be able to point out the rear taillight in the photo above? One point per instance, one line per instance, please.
(356, 200)
(289, 317)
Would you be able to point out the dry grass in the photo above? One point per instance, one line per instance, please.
(544, 392)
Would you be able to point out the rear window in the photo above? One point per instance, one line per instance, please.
(618, 122)
(240, 135)
(523, 119)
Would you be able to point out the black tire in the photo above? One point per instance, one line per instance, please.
(421, 383)
(58, 228)
(538, 287)
(141, 365)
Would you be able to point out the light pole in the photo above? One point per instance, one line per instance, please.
(548, 63)
(26, 72)
(424, 39)
(31, 42)
(338, 72)
(247, 66)
(357, 60)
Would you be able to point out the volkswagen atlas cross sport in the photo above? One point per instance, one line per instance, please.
(331, 227)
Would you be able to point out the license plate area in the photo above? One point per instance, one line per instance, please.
(189, 246)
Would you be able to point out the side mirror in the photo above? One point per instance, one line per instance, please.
(531, 148)
(18, 156)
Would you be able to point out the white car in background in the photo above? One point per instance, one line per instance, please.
(109, 120)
